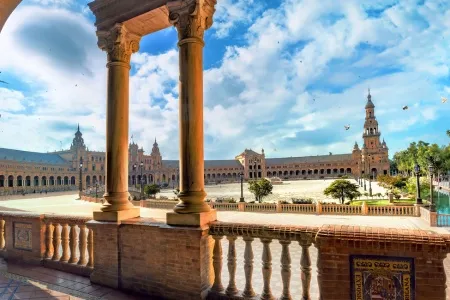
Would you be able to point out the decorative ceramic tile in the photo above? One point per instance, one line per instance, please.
(22, 236)
(382, 277)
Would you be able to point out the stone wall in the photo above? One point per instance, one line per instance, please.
(335, 244)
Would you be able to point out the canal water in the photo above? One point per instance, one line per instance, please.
(442, 200)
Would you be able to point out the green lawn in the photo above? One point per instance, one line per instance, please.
(383, 202)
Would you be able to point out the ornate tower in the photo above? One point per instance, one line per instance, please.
(374, 153)
(78, 149)
(156, 156)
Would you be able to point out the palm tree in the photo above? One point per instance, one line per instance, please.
(448, 133)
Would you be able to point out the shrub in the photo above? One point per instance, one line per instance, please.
(302, 201)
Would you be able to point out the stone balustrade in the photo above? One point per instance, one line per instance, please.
(260, 207)
(164, 204)
(339, 209)
(225, 206)
(68, 244)
(299, 208)
(60, 242)
(391, 210)
(285, 235)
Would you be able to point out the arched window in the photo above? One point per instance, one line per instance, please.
(19, 180)
(2, 181)
(10, 181)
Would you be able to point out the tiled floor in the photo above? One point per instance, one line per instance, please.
(35, 282)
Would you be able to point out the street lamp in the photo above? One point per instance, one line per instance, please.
(96, 190)
(365, 189)
(417, 170)
(370, 179)
(431, 169)
(135, 177)
(81, 175)
(142, 179)
(256, 172)
(241, 176)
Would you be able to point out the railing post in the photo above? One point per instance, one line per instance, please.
(248, 267)
(217, 264)
(285, 269)
(2, 234)
(364, 208)
(56, 241)
(49, 240)
(433, 218)
(73, 244)
(279, 208)
(305, 267)
(231, 289)
(319, 208)
(65, 242)
(82, 245)
(266, 269)
(241, 206)
(90, 263)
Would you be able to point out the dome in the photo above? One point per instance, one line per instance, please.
(369, 103)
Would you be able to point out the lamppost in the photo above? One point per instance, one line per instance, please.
(431, 169)
(256, 172)
(142, 179)
(96, 190)
(370, 179)
(365, 189)
(241, 176)
(81, 175)
(135, 177)
(417, 170)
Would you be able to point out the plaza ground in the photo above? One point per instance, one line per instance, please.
(289, 189)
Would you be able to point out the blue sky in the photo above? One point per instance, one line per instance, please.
(282, 75)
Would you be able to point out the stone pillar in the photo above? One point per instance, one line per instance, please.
(119, 44)
(319, 208)
(191, 18)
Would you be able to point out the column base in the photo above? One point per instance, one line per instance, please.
(194, 219)
(117, 216)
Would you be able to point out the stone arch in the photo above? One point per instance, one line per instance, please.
(2, 180)
(58, 180)
(316, 171)
(342, 170)
(280, 173)
(51, 180)
(72, 180)
(303, 172)
(88, 181)
(349, 170)
(100, 179)
(19, 180)
(291, 173)
(10, 181)
(335, 171)
(66, 180)
(164, 178)
(44, 181)
(286, 173)
(310, 172)
(322, 171)
(36, 181)
(328, 171)
(269, 174)
(94, 179)
(297, 172)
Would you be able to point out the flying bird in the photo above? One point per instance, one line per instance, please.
(443, 99)
(347, 127)
(405, 107)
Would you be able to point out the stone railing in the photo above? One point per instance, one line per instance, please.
(260, 207)
(92, 199)
(60, 242)
(443, 220)
(337, 248)
(391, 210)
(339, 209)
(224, 206)
(300, 237)
(299, 208)
(68, 244)
(164, 204)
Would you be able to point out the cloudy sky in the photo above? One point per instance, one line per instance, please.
(283, 75)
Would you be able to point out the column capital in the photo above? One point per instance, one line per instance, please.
(191, 18)
(119, 43)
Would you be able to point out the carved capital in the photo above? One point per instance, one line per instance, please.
(119, 43)
(191, 17)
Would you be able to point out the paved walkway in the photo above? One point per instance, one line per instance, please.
(34, 282)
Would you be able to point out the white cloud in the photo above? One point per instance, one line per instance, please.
(11, 100)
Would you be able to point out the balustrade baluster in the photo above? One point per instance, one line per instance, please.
(217, 264)
(266, 269)
(285, 269)
(2, 234)
(56, 241)
(231, 289)
(49, 240)
(90, 263)
(305, 267)
(65, 242)
(248, 267)
(73, 242)
(82, 245)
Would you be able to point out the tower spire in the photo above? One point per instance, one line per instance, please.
(78, 128)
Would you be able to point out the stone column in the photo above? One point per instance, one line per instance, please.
(119, 44)
(191, 18)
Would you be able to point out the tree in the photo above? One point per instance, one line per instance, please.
(152, 190)
(260, 189)
(448, 133)
(341, 189)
